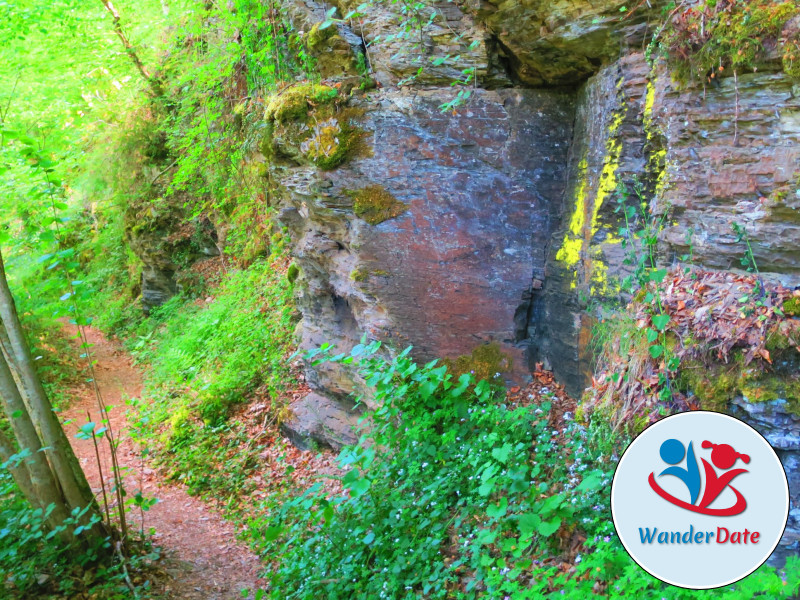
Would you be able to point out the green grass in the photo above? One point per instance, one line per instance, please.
(204, 359)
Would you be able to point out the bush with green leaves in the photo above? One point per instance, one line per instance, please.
(453, 493)
(450, 492)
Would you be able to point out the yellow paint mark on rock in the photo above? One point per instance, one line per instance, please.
(577, 244)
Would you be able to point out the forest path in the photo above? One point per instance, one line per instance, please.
(202, 555)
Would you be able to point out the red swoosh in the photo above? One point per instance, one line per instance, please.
(739, 507)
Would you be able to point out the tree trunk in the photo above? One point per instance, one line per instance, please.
(69, 474)
(42, 482)
(19, 472)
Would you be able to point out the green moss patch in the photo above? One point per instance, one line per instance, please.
(704, 40)
(375, 204)
(296, 101)
(791, 307)
(485, 362)
(705, 340)
(319, 34)
(292, 273)
(359, 275)
(332, 142)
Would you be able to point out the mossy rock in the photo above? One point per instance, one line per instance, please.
(292, 273)
(715, 385)
(791, 67)
(791, 307)
(375, 204)
(791, 55)
(359, 275)
(295, 102)
(485, 362)
(320, 34)
(332, 141)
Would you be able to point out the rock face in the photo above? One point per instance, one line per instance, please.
(565, 42)
(781, 427)
(453, 264)
(166, 245)
(689, 158)
(499, 223)
(722, 170)
(496, 224)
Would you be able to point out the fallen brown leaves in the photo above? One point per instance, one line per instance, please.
(711, 314)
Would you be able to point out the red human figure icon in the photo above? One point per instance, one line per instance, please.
(724, 457)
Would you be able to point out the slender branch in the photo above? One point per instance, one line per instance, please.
(154, 84)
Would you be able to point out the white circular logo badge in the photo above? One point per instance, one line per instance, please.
(700, 500)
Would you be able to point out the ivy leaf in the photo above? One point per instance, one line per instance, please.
(656, 351)
(486, 536)
(501, 454)
(496, 511)
(487, 488)
(369, 538)
(272, 532)
(591, 482)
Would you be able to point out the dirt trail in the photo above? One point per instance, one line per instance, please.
(203, 556)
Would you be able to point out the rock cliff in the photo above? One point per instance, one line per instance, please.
(494, 223)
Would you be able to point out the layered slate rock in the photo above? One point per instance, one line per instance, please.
(610, 151)
(779, 423)
(690, 157)
(732, 155)
(436, 235)
(564, 42)
(166, 245)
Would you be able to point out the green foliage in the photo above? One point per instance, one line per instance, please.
(640, 235)
(452, 493)
(216, 354)
(704, 39)
(442, 491)
(206, 359)
(34, 563)
(213, 121)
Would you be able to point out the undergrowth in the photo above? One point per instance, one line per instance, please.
(705, 39)
(453, 493)
(34, 565)
(205, 358)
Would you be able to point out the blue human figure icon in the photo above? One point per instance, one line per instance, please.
(672, 453)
